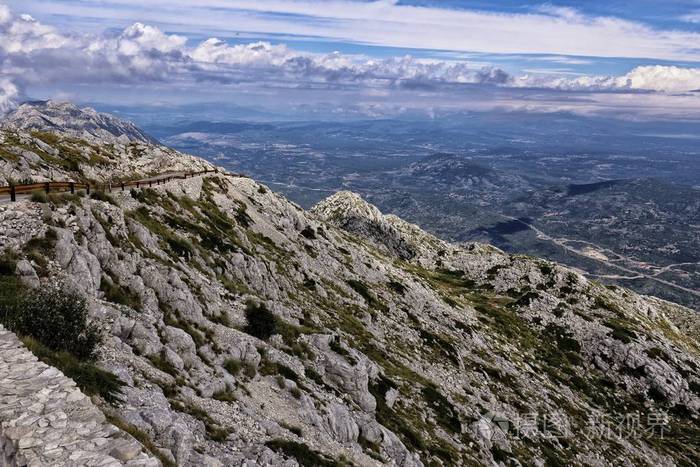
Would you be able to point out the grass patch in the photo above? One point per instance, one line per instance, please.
(39, 248)
(447, 415)
(441, 345)
(91, 379)
(142, 437)
(233, 366)
(115, 293)
(363, 290)
(159, 361)
(620, 330)
(304, 455)
(214, 431)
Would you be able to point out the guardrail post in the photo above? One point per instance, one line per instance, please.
(13, 194)
(72, 188)
(87, 188)
(46, 187)
(122, 186)
(150, 183)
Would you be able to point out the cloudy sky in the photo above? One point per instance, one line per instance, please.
(632, 59)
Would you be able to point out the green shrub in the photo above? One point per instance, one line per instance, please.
(55, 318)
(8, 262)
(38, 196)
(224, 396)
(261, 321)
(10, 296)
(233, 366)
(102, 196)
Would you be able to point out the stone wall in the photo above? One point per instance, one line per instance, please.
(46, 420)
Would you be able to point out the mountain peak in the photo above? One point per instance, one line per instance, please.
(51, 140)
(350, 212)
(345, 205)
(69, 119)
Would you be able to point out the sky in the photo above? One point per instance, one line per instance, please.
(370, 58)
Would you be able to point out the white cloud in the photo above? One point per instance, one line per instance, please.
(547, 30)
(691, 17)
(24, 34)
(9, 94)
(35, 54)
(340, 68)
(664, 79)
(139, 37)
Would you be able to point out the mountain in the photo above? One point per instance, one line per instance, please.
(248, 331)
(44, 142)
(70, 120)
(460, 176)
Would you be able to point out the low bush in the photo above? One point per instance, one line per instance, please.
(38, 196)
(261, 321)
(233, 366)
(8, 262)
(102, 196)
(55, 318)
(224, 396)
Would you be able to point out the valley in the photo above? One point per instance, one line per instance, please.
(627, 215)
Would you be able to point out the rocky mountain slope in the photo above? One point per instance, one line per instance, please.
(70, 120)
(247, 331)
(60, 142)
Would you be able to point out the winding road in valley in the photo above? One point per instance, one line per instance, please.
(562, 243)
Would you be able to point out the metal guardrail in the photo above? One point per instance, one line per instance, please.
(56, 187)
